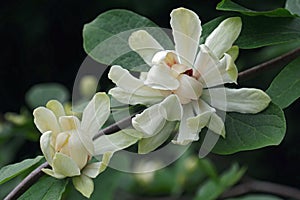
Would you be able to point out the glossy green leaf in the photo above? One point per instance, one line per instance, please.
(256, 197)
(285, 88)
(212, 189)
(228, 5)
(10, 171)
(40, 94)
(46, 188)
(260, 30)
(106, 38)
(293, 6)
(248, 132)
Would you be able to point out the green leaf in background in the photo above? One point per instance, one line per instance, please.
(46, 188)
(248, 132)
(212, 189)
(10, 171)
(40, 94)
(285, 88)
(228, 5)
(256, 197)
(293, 6)
(106, 38)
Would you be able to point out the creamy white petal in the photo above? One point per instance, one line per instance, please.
(78, 151)
(69, 123)
(84, 185)
(116, 141)
(222, 38)
(150, 121)
(144, 44)
(189, 88)
(143, 95)
(204, 112)
(185, 134)
(123, 79)
(45, 120)
(95, 114)
(171, 108)
(216, 124)
(92, 169)
(204, 62)
(64, 165)
(46, 147)
(244, 100)
(56, 107)
(211, 72)
(161, 77)
(233, 52)
(147, 145)
(186, 27)
(52, 173)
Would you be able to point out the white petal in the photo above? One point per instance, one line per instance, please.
(78, 151)
(222, 38)
(150, 121)
(84, 185)
(52, 173)
(244, 100)
(171, 108)
(147, 145)
(204, 112)
(56, 107)
(161, 77)
(69, 123)
(186, 27)
(216, 124)
(116, 141)
(123, 79)
(95, 114)
(144, 44)
(185, 134)
(64, 165)
(45, 120)
(211, 71)
(46, 147)
(143, 95)
(92, 169)
(233, 52)
(189, 88)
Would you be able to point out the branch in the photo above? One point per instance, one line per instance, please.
(277, 62)
(27, 182)
(263, 187)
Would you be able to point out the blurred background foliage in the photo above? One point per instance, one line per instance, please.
(42, 42)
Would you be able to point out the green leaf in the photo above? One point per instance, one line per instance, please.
(46, 188)
(40, 94)
(285, 88)
(248, 132)
(228, 5)
(106, 38)
(293, 6)
(256, 197)
(10, 171)
(259, 30)
(212, 189)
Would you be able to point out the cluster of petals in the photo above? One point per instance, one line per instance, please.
(186, 84)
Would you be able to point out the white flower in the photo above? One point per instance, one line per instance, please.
(67, 143)
(183, 84)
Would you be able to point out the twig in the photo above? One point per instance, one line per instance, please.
(27, 182)
(263, 187)
(277, 62)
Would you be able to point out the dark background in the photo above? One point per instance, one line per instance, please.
(41, 41)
